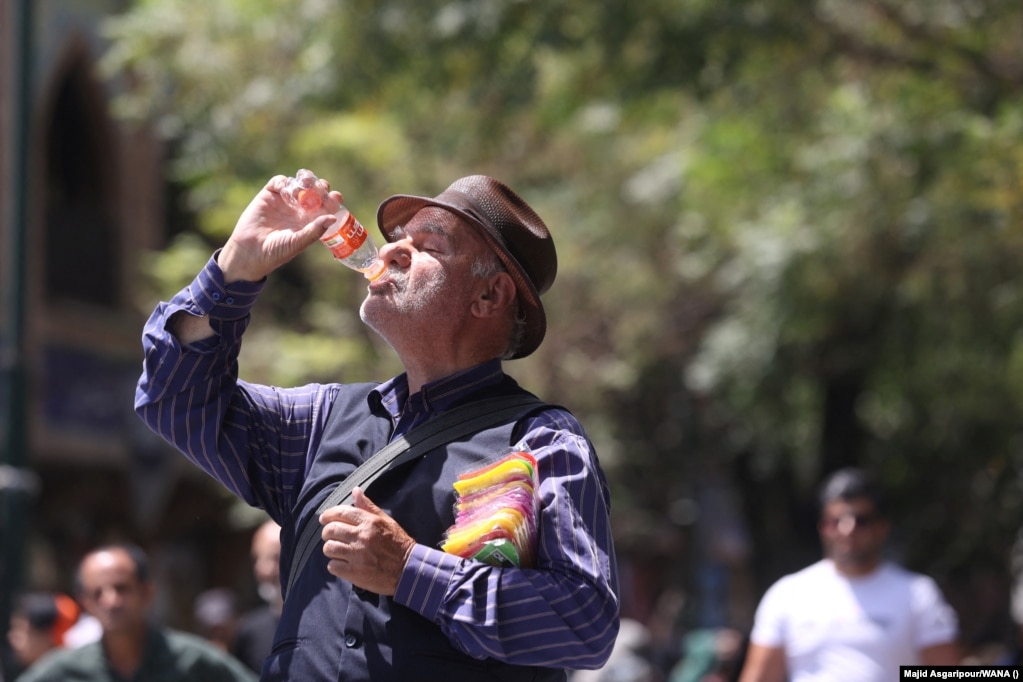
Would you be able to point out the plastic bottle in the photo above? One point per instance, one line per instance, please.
(347, 240)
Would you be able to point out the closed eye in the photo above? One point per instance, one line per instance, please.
(431, 242)
(431, 231)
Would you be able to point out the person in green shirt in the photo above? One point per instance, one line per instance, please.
(113, 584)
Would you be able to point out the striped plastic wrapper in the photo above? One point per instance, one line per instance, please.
(495, 513)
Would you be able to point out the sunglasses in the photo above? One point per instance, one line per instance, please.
(857, 521)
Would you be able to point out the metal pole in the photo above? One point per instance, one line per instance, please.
(16, 481)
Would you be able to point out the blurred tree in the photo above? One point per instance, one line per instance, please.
(788, 230)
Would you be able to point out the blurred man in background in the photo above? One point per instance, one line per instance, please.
(113, 584)
(255, 634)
(39, 624)
(216, 617)
(851, 616)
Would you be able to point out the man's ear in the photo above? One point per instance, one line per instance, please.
(495, 296)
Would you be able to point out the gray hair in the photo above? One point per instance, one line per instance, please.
(486, 266)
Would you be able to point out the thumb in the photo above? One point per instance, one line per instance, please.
(318, 227)
(283, 245)
(362, 502)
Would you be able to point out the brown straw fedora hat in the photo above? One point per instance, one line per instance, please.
(512, 229)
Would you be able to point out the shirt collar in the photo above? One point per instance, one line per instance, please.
(438, 395)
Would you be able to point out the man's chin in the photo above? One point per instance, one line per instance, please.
(854, 561)
(370, 314)
(268, 591)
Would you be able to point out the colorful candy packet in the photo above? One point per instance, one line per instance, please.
(495, 513)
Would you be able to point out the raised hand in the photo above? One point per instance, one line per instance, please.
(269, 233)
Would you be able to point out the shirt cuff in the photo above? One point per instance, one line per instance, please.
(424, 582)
(211, 296)
(227, 307)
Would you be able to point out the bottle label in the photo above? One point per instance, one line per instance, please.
(343, 241)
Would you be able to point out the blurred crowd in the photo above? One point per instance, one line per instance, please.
(682, 640)
(105, 626)
(854, 614)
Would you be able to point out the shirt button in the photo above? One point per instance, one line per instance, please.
(351, 641)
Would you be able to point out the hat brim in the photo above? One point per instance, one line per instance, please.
(398, 210)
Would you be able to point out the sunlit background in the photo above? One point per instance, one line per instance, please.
(790, 237)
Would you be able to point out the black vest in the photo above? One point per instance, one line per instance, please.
(332, 631)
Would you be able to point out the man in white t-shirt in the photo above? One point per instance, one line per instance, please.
(851, 616)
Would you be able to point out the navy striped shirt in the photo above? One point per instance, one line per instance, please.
(258, 442)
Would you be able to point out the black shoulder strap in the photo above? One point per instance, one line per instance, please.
(444, 428)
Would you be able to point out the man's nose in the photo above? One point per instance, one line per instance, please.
(110, 597)
(397, 252)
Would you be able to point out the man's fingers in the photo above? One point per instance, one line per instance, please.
(350, 513)
(316, 229)
(335, 549)
(343, 513)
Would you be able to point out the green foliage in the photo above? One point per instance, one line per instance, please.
(172, 268)
(788, 231)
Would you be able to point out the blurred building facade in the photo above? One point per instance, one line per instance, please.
(81, 202)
